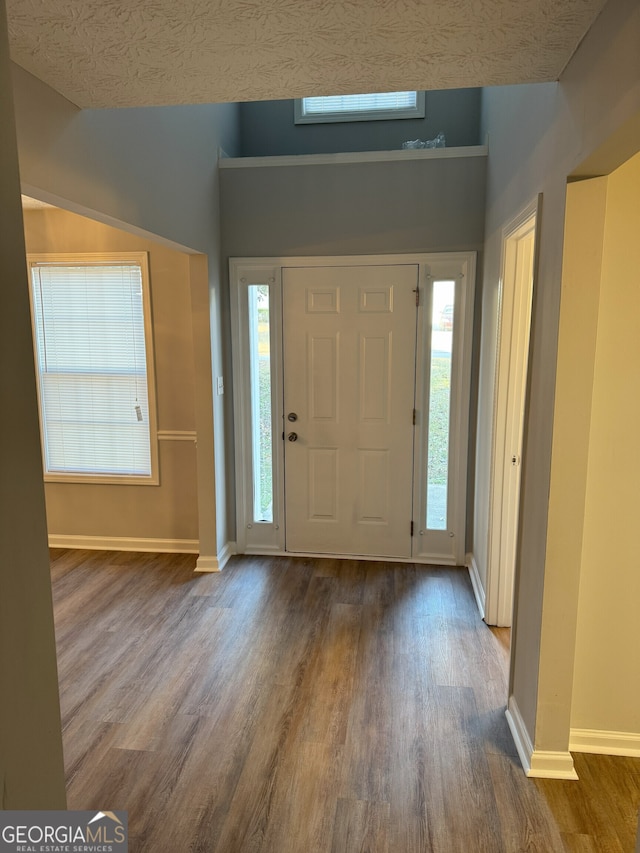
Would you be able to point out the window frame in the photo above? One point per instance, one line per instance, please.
(417, 112)
(257, 537)
(89, 259)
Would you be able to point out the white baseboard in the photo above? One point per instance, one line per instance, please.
(207, 564)
(605, 743)
(547, 764)
(519, 734)
(228, 551)
(217, 563)
(124, 543)
(160, 546)
(540, 763)
(476, 583)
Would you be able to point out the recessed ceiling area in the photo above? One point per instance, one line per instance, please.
(109, 53)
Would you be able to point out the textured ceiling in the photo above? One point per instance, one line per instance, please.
(117, 53)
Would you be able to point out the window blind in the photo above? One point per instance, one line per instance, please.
(92, 368)
(360, 103)
(366, 107)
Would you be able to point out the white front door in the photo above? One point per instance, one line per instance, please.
(340, 345)
(349, 386)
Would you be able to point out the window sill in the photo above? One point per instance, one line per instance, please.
(97, 480)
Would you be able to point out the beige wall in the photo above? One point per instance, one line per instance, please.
(167, 513)
(538, 136)
(606, 686)
(581, 273)
(31, 766)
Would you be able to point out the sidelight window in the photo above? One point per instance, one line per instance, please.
(439, 408)
(261, 425)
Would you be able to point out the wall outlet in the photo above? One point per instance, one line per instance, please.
(220, 386)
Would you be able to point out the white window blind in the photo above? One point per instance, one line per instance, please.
(91, 354)
(365, 107)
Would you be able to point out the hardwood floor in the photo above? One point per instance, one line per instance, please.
(306, 706)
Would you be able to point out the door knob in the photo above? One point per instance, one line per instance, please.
(293, 436)
(292, 417)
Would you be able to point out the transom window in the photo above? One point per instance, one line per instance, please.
(93, 348)
(367, 107)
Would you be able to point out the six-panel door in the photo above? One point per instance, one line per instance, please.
(349, 354)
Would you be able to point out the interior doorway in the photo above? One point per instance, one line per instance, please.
(351, 398)
(514, 327)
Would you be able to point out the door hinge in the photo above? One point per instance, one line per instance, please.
(417, 293)
(414, 417)
(412, 528)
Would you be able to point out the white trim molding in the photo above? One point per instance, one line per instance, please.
(476, 583)
(124, 543)
(217, 563)
(207, 564)
(605, 743)
(517, 278)
(540, 763)
(552, 764)
(227, 552)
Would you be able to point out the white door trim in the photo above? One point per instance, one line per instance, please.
(262, 537)
(513, 337)
(256, 537)
(445, 546)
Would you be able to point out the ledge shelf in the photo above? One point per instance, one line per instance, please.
(226, 162)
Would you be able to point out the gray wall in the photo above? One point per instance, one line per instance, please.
(403, 206)
(152, 171)
(31, 766)
(538, 135)
(365, 208)
(267, 127)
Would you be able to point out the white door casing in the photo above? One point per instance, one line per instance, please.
(444, 546)
(518, 266)
(349, 354)
(257, 534)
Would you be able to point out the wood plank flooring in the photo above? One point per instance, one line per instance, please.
(306, 706)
